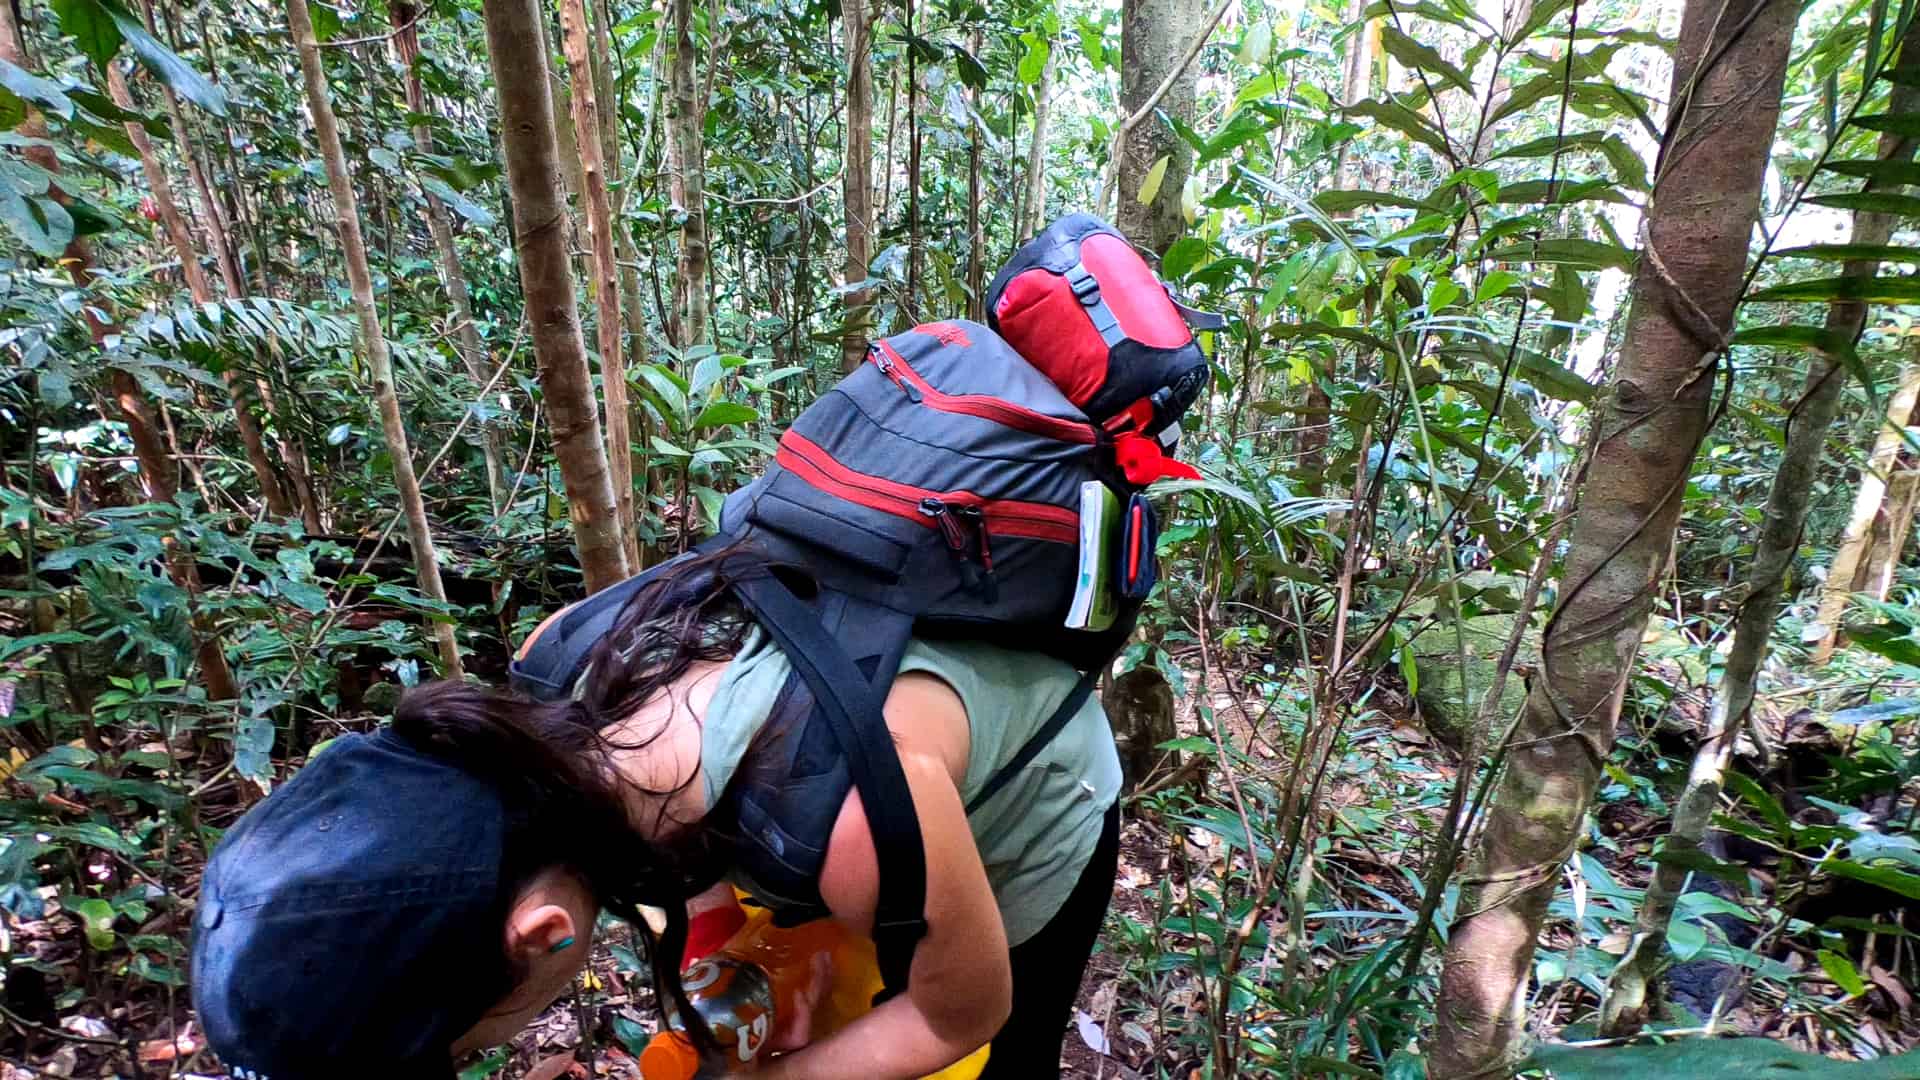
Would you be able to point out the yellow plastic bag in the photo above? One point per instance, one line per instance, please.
(856, 979)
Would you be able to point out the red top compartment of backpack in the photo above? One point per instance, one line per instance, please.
(1080, 304)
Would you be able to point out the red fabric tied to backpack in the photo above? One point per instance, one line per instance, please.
(1082, 306)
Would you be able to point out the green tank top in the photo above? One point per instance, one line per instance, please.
(1036, 834)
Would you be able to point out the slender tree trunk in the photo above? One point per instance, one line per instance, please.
(976, 238)
(1036, 198)
(685, 116)
(1153, 37)
(1903, 494)
(915, 249)
(606, 271)
(466, 335)
(1356, 82)
(346, 210)
(1629, 1001)
(886, 161)
(1707, 194)
(158, 473)
(1850, 556)
(517, 48)
(856, 181)
(161, 189)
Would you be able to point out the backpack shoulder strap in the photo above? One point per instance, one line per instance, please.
(1038, 741)
(848, 701)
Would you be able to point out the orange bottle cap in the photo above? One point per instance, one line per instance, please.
(669, 1056)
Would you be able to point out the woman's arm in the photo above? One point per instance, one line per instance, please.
(960, 988)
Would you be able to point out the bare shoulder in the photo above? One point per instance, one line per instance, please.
(927, 718)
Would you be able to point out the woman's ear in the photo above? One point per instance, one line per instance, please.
(536, 930)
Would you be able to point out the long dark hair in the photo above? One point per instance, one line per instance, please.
(567, 804)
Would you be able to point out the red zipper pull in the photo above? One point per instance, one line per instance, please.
(979, 520)
(949, 528)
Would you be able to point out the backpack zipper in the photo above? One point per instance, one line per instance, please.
(921, 392)
(1004, 517)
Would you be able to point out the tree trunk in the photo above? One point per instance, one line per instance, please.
(976, 239)
(158, 474)
(181, 237)
(466, 336)
(1153, 34)
(1036, 199)
(1903, 495)
(606, 271)
(1629, 1002)
(518, 52)
(685, 116)
(326, 131)
(1850, 555)
(1356, 83)
(915, 251)
(856, 181)
(1713, 160)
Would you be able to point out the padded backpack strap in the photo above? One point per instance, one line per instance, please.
(1086, 289)
(1197, 319)
(848, 702)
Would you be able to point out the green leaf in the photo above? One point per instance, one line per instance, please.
(39, 222)
(1581, 254)
(1405, 121)
(1561, 192)
(1841, 971)
(12, 109)
(1886, 877)
(1852, 252)
(163, 62)
(722, 413)
(1873, 202)
(1762, 800)
(92, 28)
(1713, 1059)
(97, 915)
(1412, 54)
(1256, 45)
(1033, 62)
(1819, 339)
(1906, 125)
(1494, 285)
(89, 218)
(1184, 254)
(1699, 861)
(460, 204)
(1870, 290)
(1882, 173)
(31, 87)
(1150, 187)
(1339, 202)
(1685, 938)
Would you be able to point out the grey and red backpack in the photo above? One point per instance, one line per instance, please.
(935, 491)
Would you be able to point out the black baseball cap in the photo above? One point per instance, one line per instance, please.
(352, 923)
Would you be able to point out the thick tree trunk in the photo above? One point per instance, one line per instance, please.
(466, 336)
(1035, 207)
(346, 210)
(685, 117)
(856, 181)
(158, 473)
(1153, 34)
(160, 187)
(606, 270)
(1850, 555)
(1713, 158)
(518, 51)
(1629, 1001)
